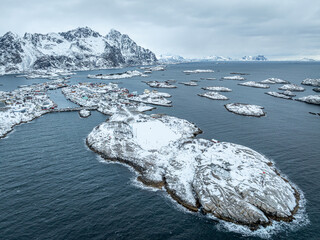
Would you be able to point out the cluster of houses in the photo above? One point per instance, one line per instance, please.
(29, 97)
(25, 103)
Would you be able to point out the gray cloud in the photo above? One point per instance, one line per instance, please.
(278, 29)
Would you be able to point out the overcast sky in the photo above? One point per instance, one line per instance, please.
(278, 29)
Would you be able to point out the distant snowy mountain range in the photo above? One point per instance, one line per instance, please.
(78, 49)
(307, 60)
(178, 59)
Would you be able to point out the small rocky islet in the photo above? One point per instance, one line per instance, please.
(254, 84)
(245, 109)
(213, 96)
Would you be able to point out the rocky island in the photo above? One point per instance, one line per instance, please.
(111, 76)
(316, 89)
(279, 95)
(198, 71)
(274, 81)
(217, 89)
(236, 77)
(213, 96)
(84, 113)
(245, 109)
(225, 180)
(191, 83)
(158, 84)
(292, 87)
(151, 97)
(254, 84)
(311, 82)
(312, 99)
(44, 74)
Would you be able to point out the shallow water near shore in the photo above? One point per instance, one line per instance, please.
(53, 186)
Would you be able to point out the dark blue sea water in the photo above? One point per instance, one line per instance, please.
(53, 187)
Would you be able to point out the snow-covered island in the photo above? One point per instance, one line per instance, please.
(217, 89)
(213, 96)
(236, 77)
(239, 73)
(312, 99)
(108, 98)
(274, 81)
(245, 109)
(289, 93)
(316, 89)
(152, 97)
(311, 82)
(112, 76)
(279, 95)
(45, 74)
(198, 71)
(254, 84)
(228, 181)
(155, 68)
(292, 87)
(84, 113)
(25, 104)
(191, 83)
(157, 84)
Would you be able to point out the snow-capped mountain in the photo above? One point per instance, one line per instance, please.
(132, 53)
(254, 58)
(307, 60)
(78, 49)
(168, 58)
(216, 58)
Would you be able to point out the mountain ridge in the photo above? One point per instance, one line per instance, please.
(168, 59)
(78, 49)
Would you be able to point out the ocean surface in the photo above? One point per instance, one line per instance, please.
(53, 187)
